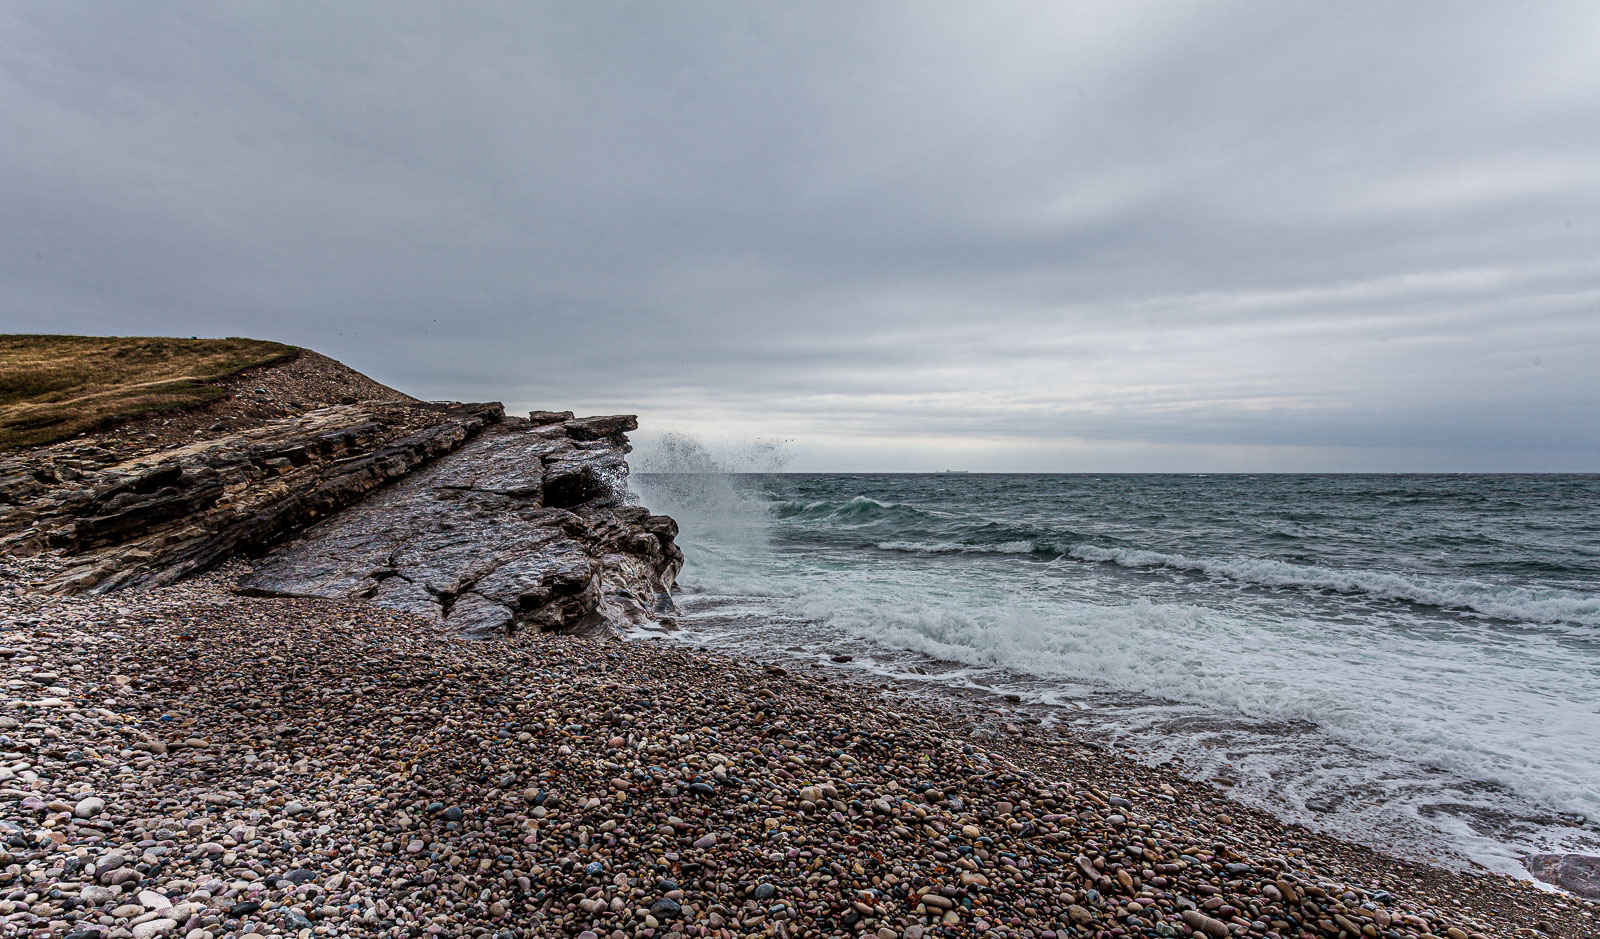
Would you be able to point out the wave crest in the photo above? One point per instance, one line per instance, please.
(1513, 604)
(957, 547)
(856, 510)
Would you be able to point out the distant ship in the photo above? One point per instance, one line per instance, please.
(953, 472)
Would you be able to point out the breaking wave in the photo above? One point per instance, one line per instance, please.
(1510, 603)
(858, 510)
(1419, 651)
(911, 529)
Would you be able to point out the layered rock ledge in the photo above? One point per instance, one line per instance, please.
(138, 519)
(526, 527)
(485, 523)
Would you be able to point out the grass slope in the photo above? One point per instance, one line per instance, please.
(53, 387)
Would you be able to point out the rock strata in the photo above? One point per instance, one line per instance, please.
(526, 527)
(155, 517)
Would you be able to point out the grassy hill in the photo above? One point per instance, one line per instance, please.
(54, 387)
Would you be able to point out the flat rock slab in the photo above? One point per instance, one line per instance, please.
(155, 517)
(527, 526)
(1578, 873)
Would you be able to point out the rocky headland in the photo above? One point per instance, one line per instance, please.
(155, 517)
(486, 522)
(332, 665)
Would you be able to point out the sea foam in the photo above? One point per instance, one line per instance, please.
(1510, 603)
(1438, 677)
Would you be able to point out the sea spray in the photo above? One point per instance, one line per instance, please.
(717, 502)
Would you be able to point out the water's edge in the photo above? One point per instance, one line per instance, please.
(894, 578)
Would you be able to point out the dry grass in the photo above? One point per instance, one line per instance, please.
(54, 387)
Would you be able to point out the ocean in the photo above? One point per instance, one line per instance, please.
(1409, 661)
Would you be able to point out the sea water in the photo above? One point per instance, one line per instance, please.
(1409, 661)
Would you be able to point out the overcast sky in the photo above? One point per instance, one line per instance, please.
(1054, 236)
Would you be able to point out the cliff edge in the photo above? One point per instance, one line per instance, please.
(488, 523)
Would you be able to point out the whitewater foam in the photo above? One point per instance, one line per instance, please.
(1464, 709)
(957, 547)
(1511, 603)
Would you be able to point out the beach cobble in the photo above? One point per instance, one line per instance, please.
(185, 762)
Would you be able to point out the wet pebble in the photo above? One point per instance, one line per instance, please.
(377, 778)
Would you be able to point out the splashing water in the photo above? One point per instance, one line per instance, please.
(1413, 662)
(720, 519)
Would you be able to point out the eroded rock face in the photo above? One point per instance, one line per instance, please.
(526, 527)
(489, 524)
(152, 518)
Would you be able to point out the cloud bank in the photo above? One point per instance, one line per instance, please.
(1111, 236)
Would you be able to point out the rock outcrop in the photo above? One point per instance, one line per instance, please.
(1579, 873)
(487, 523)
(129, 519)
(528, 526)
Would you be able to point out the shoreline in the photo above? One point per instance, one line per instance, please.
(1034, 734)
(991, 698)
(332, 768)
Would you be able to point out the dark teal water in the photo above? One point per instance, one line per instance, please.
(1414, 651)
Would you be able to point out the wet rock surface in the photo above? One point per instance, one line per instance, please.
(1578, 873)
(188, 762)
(526, 527)
(129, 516)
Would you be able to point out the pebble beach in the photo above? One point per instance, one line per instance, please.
(188, 762)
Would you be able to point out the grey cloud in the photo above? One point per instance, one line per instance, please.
(1343, 236)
